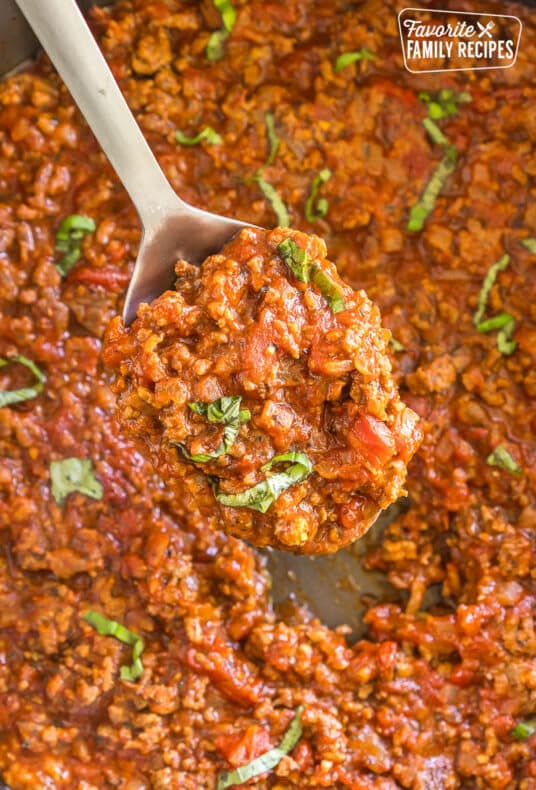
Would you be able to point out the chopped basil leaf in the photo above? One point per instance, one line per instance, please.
(261, 496)
(74, 474)
(505, 344)
(273, 138)
(497, 322)
(270, 193)
(424, 207)
(524, 729)
(396, 345)
(306, 270)
(214, 50)
(267, 761)
(314, 209)
(208, 134)
(487, 285)
(68, 238)
(502, 458)
(352, 57)
(8, 397)
(530, 245)
(435, 132)
(226, 411)
(444, 103)
(106, 627)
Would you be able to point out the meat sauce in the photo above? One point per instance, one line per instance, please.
(248, 366)
(430, 697)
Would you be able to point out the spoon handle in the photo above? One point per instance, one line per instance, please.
(65, 36)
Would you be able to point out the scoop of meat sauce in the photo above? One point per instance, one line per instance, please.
(263, 390)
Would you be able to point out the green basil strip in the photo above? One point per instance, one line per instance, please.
(425, 205)
(497, 322)
(487, 285)
(8, 397)
(307, 271)
(214, 50)
(396, 345)
(443, 103)
(106, 627)
(74, 474)
(261, 496)
(530, 245)
(273, 138)
(524, 729)
(502, 458)
(226, 411)
(505, 344)
(315, 209)
(435, 132)
(348, 58)
(68, 237)
(207, 134)
(273, 197)
(267, 761)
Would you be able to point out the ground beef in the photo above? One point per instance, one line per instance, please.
(312, 370)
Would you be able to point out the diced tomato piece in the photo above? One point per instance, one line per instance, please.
(241, 748)
(373, 439)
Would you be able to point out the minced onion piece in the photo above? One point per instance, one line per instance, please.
(502, 458)
(306, 270)
(267, 761)
(207, 134)
(348, 58)
(317, 208)
(9, 397)
(261, 496)
(225, 410)
(106, 627)
(74, 474)
(68, 239)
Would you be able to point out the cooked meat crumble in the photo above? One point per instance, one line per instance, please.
(306, 367)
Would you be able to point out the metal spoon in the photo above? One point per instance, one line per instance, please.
(172, 229)
(331, 585)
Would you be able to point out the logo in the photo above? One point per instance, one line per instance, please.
(444, 40)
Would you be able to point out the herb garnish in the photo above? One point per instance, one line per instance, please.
(269, 191)
(502, 458)
(273, 197)
(225, 410)
(487, 285)
(68, 239)
(352, 57)
(214, 50)
(425, 205)
(504, 322)
(306, 270)
(273, 137)
(435, 132)
(106, 627)
(444, 103)
(261, 496)
(524, 729)
(396, 345)
(8, 397)
(208, 134)
(530, 245)
(317, 208)
(267, 761)
(74, 474)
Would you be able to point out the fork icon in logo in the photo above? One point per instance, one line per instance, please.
(486, 30)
